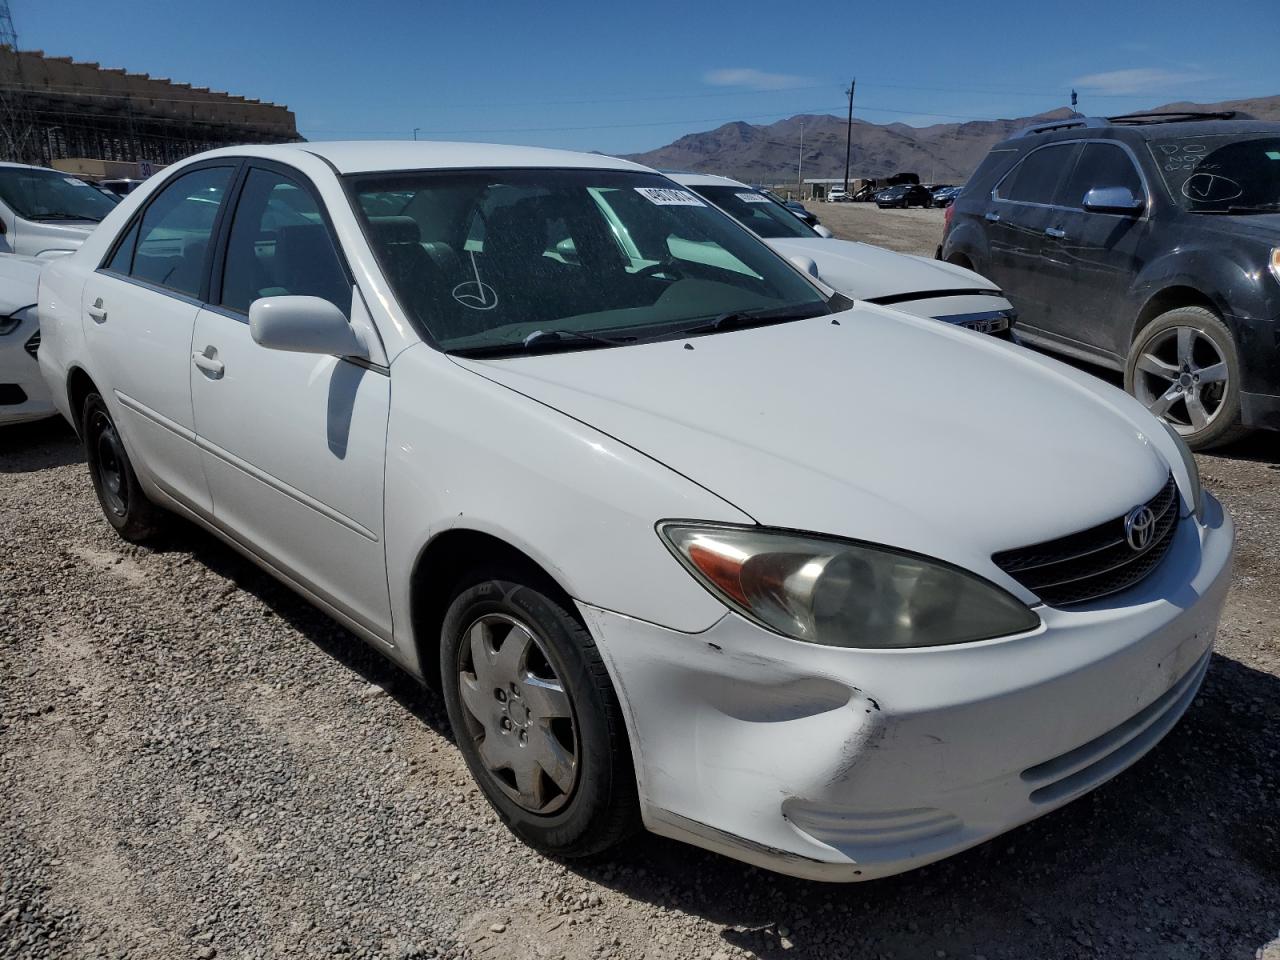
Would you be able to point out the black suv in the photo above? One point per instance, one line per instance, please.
(1149, 243)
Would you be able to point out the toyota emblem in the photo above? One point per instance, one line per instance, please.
(1140, 527)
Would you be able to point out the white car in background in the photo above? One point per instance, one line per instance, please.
(687, 541)
(23, 394)
(921, 286)
(836, 194)
(47, 213)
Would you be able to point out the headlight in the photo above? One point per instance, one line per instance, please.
(9, 324)
(1275, 262)
(843, 594)
(1196, 494)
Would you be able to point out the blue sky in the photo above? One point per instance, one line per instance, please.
(628, 77)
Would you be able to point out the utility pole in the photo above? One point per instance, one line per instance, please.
(15, 123)
(800, 166)
(848, 136)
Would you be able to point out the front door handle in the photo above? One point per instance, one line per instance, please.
(96, 313)
(209, 364)
(991, 216)
(1056, 232)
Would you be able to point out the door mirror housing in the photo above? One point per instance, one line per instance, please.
(823, 232)
(804, 264)
(304, 325)
(1113, 200)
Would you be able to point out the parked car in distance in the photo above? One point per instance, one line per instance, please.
(836, 195)
(687, 541)
(944, 196)
(904, 195)
(44, 212)
(866, 193)
(861, 271)
(23, 394)
(1148, 243)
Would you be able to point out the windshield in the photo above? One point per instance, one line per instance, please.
(756, 212)
(490, 258)
(1231, 173)
(36, 194)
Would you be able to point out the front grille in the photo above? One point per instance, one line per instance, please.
(1096, 562)
(33, 344)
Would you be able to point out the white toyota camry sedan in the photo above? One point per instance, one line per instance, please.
(686, 541)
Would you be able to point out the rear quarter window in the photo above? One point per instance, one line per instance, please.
(990, 170)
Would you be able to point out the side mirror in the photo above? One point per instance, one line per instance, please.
(304, 325)
(1113, 200)
(822, 231)
(804, 264)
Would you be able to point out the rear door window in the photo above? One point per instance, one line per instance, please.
(1036, 178)
(1100, 165)
(173, 238)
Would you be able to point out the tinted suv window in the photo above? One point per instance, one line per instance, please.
(280, 245)
(1036, 178)
(173, 240)
(1100, 165)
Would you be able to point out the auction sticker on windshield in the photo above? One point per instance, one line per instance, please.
(667, 197)
(752, 198)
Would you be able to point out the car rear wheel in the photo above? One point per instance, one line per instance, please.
(1184, 367)
(537, 719)
(123, 502)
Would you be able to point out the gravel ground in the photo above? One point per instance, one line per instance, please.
(195, 763)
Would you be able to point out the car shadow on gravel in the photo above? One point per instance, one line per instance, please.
(329, 636)
(26, 447)
(1177, 857)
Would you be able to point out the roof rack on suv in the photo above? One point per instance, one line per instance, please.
(1177, 116)
(1065, 124)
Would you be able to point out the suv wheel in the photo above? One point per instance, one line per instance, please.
(1184, 368)
(126, 507)
(537, 719)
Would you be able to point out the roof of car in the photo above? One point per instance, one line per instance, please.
(372, 156)
(704, 180)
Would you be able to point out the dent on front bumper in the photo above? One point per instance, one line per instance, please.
(841, 764)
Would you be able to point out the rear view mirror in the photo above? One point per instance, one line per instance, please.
(304, 325)
(823, 232)
(1113, 200)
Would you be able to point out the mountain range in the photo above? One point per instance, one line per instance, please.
(944, 152)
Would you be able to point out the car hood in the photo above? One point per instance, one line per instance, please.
(865, 272)
(1263, 225)
(867, 424)
(18, 279)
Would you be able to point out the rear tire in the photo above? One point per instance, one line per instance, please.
(123, 501)
(1185, 368)
(539, 725)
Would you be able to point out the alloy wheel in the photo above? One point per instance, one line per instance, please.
(519, 713)
(1182, 377)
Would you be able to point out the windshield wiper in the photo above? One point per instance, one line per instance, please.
(63, 216)
(542, 341)
(741, 319)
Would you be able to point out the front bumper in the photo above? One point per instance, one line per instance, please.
(23, 393)
(836, 764)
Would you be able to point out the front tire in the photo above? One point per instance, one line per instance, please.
(537, 719)
(123, 501)
(1184, 367)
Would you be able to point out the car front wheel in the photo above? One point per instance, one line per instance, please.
(537, 719)
(123, 502)
(1184, 367)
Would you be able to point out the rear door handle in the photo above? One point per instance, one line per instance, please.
(1056, 232)
(96, 313)
(210, 365)
(991, 216)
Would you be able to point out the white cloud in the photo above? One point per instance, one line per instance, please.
(1139, 80)
(755, 79)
